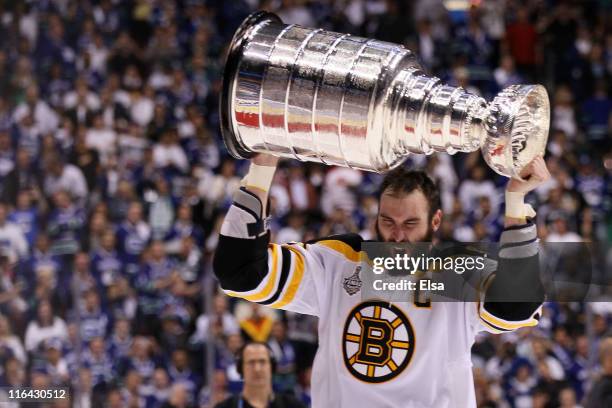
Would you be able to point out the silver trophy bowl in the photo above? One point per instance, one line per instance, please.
(320, 96)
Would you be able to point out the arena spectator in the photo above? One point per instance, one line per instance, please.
(179, 397)
(93, 321)
(180, 372)
(26, 216)
(294, 230)
(10, 344)
(226, 361)
(160, 389)
(83, 394)
(216, 392)
(45, 326)
(284, 354)
(121, 339)
(567, 398)
(161, 209)
(257, 324)
(56, 366)
(106, 266)
(14, 374)
(132, 238)
(38, 109)
(600, 395)
(61, 176)
(133, 393)
(66, 226)
(23, 176)
(257, 369)
(13, 241)
(169, 155)
(140, 358)
(521, 36)
(152, 282)
(219, 322)
(477, 186)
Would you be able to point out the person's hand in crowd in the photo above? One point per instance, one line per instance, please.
(174, 283)
(164, 283)
(178, 288)
(10, 294)
(175, 277)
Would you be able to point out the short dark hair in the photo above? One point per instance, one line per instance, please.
(240, 356)
(403, 181)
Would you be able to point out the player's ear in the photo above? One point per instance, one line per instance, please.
(436, 220)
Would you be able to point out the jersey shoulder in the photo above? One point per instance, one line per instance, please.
(348, 245)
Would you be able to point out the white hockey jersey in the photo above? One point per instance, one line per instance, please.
(372, 353)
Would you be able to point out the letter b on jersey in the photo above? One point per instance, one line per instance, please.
(375, 345)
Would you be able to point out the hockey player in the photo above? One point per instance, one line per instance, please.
(373, 353)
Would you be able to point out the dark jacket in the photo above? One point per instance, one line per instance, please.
(279, 401)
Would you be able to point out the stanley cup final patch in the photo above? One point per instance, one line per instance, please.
(353, 283)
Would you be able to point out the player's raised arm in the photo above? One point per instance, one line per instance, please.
(248, 265)
(517, 277)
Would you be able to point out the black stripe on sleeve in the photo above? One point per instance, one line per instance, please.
(248, 210)
(493, 326)
(515, 244)
(518, 227)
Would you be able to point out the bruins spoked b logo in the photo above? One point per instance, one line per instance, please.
(378, 342)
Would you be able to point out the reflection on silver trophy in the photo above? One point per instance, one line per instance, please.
(332, 98)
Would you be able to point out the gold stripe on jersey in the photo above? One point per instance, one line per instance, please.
(504, 324)
(495, 330)
(271, 278)
(342, 248)
(495, 323)
(295, 278)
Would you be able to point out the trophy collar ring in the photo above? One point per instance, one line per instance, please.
(332, 98)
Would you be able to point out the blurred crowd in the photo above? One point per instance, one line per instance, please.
(114, 181)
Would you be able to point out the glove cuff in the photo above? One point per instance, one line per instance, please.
(516, 206)
(259, 177)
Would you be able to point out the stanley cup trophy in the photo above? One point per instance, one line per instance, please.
(332, 98)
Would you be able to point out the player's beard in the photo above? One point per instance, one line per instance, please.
(428, 237)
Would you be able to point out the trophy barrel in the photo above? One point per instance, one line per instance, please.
(311, 95)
